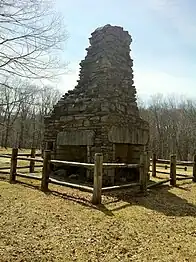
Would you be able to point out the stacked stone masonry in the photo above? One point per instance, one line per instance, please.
(100, 114)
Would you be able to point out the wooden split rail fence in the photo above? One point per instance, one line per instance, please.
(98, 166)
(173, 165)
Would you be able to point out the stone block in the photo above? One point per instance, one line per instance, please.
(86, 123)
(66, 118)
(77, 123)
(80, 117)
(95, 118)
(105, 118)
(105, 107)
(84, 137)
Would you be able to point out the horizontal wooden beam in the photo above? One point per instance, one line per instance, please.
(67, 184)
(112, 188)
(7, 167)
(162, 166)
(69, 163)
(91, 166)
(4, 172)
(182, 175)
(162, 172)
(5, 156)
(23, 158)
(182, 167)
(164, 161)
(158, 183)
(20, 167)
(39, 166)
(184, 178)
(30, 159)
(24, 154)
(28, 176)
(184, 163)
(167, 167)
(120, 165)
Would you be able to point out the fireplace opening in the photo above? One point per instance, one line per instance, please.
(130, 154)
(72, 154)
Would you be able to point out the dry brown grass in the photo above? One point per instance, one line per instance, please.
(63, 225)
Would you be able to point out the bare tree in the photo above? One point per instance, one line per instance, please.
(13, 102)
(45, 100)
(30, 40)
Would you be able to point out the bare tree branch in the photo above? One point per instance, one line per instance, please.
(31, 40)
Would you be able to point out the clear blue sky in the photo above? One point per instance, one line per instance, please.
(164, 40)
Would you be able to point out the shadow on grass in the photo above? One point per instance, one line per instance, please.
(82, 201)
(29, 185)
(160, 199)
(74, 198)
(183, 188)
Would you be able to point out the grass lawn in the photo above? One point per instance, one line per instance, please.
(63, 225)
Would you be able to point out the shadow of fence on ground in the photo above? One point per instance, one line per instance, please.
(160, 199)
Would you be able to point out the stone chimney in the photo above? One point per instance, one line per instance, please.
(100, 114)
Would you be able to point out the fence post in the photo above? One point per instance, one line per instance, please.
(46, 170)
(13, 165)
(97, 184)
(173, 170)
(143, 172)
(32, 162)
(194, 168)
(154, 160)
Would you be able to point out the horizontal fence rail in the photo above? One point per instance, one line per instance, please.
(120, 165)
(30, 159)
(21, 154)
(20, 167)
(162, 172)
(28, 176)
(5, 172)
(91, 166)
(2, 168)
(69, 163)
(5, 156)
(72, 185)
(158, 183)
(111, 188)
